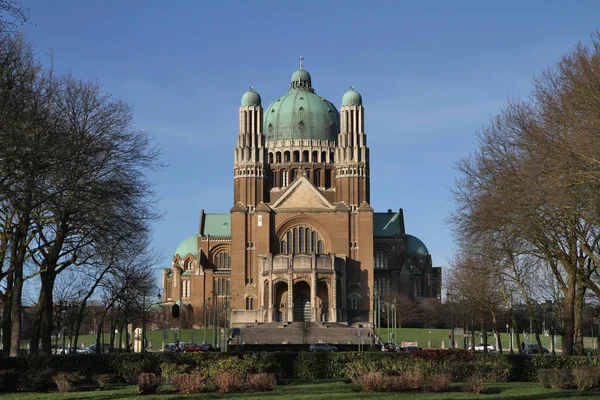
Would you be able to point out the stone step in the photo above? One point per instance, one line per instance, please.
(278, 333)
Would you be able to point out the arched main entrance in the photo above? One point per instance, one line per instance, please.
(301, 301)
(279, 300)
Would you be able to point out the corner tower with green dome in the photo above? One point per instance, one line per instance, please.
(301, 241)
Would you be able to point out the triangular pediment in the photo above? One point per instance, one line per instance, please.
(302, 194)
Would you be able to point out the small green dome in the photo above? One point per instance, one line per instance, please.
(188, 246)
(414, 245)
(301, 114)
(352, 98)
(301, 78)
(251, 98)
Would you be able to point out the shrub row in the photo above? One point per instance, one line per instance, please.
(584, 378)
(459, 364)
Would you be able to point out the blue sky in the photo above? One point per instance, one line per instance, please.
(430, 73)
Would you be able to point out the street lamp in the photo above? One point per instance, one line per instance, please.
(144, 311)
(449, 301)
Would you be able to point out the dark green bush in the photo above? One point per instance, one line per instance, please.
(304, 365)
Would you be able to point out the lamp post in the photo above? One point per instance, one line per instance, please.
(594, 323)
(449, 301)
(376, 311)
(145, 310)
(394, 319)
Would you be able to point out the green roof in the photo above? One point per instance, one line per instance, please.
(351, 98)
(216, 225)
(251, 98)
(301, 114)
(414, 245)
(387, 224)
(188, 246)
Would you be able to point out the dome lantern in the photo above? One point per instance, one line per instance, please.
(351, 98)
(251, 98)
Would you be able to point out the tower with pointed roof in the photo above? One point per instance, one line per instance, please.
(301, 241)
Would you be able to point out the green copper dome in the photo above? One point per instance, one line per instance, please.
(301, 78)
(352, 98)
(301, 114)
(188, 246)
(251, 98)
(414, 245)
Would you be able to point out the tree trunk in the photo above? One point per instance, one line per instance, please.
(578, 321)
(6, 315)
(569, 309)
(484, 336)
(47, 312)
(597, 330)
(37, 325)
(515, 329)
(15, 313)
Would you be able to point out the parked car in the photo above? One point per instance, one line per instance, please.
(193, 348)
(207, 347)
(58, 349)
(490, 347)
(77, 350)
(532, 348)
(104, 348)
(389, 348)
(322, 347)
(170, 348)
(409, 348)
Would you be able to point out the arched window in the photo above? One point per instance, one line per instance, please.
(382, 285)
(317, 178)
(323, 156)
(418, 287)
(274, 176)
(328, 178)
(270, 158)
(301, 239)
(381, 259)
(284, 178)
(296, 156)
(278, 157)
(305, 156)
(188, 265)
(185, 288)
(222, 261)
(354, 303)
(222, 287)
(315, 156)
(286, 156)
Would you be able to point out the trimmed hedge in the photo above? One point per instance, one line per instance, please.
(460, 364)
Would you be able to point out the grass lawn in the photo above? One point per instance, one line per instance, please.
(155, 338)
(329, 390)
(437, 336)
(419, 335)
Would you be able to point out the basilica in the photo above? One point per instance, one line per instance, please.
(301, 241)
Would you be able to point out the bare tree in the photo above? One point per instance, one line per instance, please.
(12, 13)
(534, 178)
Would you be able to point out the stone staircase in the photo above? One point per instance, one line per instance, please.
(279, 333)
